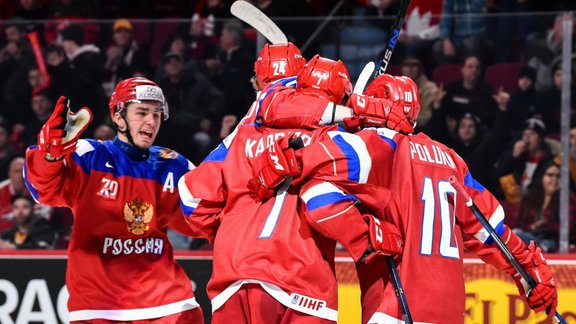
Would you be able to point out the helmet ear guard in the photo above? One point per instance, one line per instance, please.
(136, 89)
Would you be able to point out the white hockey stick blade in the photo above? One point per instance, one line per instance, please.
(364, 77)
(251, 15)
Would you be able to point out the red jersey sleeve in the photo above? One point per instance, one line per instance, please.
(478, 239)
(282, 108)
(56, 183)
(202, 198)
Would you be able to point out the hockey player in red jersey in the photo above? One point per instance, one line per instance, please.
(123, 195)
(276, 67)
(269, 266)
(435, 224)
(275, 72)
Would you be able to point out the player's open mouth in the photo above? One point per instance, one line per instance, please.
(146, 134)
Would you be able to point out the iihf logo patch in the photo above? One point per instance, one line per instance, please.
(295, 299)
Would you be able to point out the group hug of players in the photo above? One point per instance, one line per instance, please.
(274, 211)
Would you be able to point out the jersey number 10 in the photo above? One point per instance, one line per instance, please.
(443, 195)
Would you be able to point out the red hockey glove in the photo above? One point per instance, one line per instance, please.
(61, 131)
(271, 168)
(376, 112)
(544, 296)
(385, 239)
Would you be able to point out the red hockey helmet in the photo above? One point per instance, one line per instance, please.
(400, 89)
(277, 61)
(136, 90)
(325, 78)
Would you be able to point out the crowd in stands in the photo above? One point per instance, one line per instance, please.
(203, 60)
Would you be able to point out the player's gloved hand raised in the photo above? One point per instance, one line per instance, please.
(385, 239)
(271, 168)
(375, 112)
(544, 296)
(59, 135)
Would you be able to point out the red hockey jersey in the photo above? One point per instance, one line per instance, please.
(120, 263)
(433, 223)
(269, 243)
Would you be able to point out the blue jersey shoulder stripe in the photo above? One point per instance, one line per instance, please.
(218, 154)
(31, 188)
(499, 229)
(326, 199)
(469, 181)
(391, 142)
(358, 159)
(352, 159)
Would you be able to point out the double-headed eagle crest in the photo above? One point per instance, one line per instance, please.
(138, 215)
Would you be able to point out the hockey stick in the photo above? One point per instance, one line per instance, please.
(501, 245)
(363, 78)
(395, 277)
(251, 15)
(392, 38)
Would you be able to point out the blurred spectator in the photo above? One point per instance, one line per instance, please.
(178, 43)
(7, 151)
(462, 31)
(30, 231)
(516, 167)
(480, 149)
(203, 36)
(74, 9)
(572, 157)
(378, 10)
(515, 22)
(538, 219)
(80, 75)
(129, 8)
(542, 52)
(549, 102)
(196, 107)
(9, 188)
(15, 60)
(125, 56)
(471, 94)
(412, 68)
(298, 31)
(522, 103)
(42, 108)
(232, 69)
(104, 133)
(208, 18)
(31, 10)
(284, 8)
(36, 82)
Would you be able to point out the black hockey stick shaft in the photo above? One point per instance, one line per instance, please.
(501, 245)
(392, 38)
(400, 295)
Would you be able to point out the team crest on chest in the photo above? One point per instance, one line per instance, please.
(138, 215)
(168, 153)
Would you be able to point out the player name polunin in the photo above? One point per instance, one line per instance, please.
(438, 156)
(149, 245)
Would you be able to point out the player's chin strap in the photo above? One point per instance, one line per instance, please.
(126, 132)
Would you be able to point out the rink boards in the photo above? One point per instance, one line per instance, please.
(32, 288)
